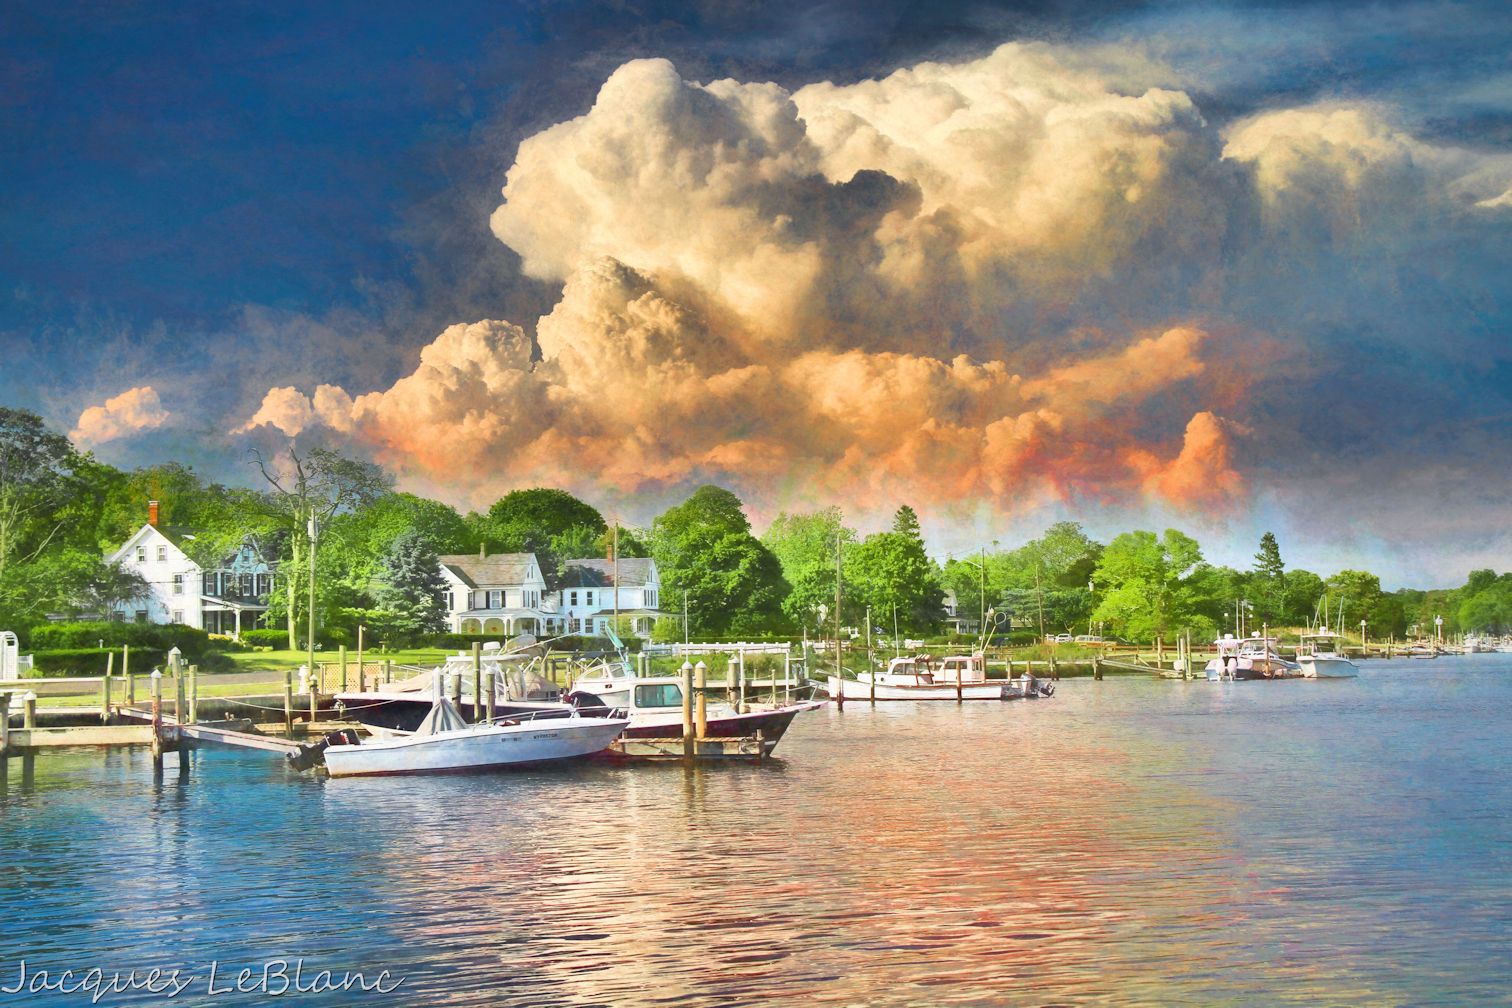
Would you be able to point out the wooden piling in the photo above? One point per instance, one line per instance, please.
(361, 678)
(314, 698)
(1054, 672)
(29, 711)
(700, 681)
(289, 702)
(687, 708)
(126, 672)
(5, 700)
(1096, 667)
(194, 694)
(489, 689)
(740, 685)
(477, 656)
(180, 694)
(456, 696)
(157, 718)
(760, 745)
(342, 657)
(105, 688)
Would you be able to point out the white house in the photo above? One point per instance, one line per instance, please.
(227, 600)
(588, 596)
(507, 594)
(500, 594)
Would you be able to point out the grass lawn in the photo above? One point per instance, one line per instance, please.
(253, 661)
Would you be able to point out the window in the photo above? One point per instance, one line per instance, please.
(141, 554)
(141, 615)
(178, 615)
(162, 553)
(496, 600)
(659, 695)
(207, 584)
(178, 588)
(572, 598)
(262, 584)
(587, 598)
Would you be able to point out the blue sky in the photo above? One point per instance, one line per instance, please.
(216, 203)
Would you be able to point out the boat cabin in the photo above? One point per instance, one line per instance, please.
(924, 670)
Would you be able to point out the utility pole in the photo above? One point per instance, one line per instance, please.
(615, 550)
(310, 644)
(839, 674)
(983, 623)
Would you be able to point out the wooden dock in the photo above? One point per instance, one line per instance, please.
(751, 749)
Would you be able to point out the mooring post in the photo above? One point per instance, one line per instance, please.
(105, 700)
(477, 655)
(126, 671)
(315, 693)
(180, 693)
(760, 745)
(488, 688)
(157, 717)
(740, 685)
(1096, 667)
(289, 701)
(194, 694)
(700, 681)
(361, 678)
(29, 710)
(5, 700)
(687, 705)
(456, 695)
(341, 656)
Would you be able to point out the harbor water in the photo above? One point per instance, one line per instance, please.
(1130, 841)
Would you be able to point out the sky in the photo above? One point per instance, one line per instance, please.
(1225, 267)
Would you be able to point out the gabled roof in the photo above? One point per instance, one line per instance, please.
(493, 570)
(600, 573)
(180, 536)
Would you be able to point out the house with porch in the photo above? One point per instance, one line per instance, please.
(591, 591)
(226, 599)
(508, 594)
(502, 593)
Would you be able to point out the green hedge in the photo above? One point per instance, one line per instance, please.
(66, 662)
(276, 639)
(190, 641)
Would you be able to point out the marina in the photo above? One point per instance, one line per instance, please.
(1102, 867)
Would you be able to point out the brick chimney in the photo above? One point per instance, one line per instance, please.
(152, 513)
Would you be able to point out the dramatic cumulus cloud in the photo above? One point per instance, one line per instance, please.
(1038, 276)
(132, 412)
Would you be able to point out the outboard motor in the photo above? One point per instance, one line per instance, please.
(312, 754)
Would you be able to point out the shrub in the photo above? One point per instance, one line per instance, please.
(190, 641)
(276, 639)
(65, 662)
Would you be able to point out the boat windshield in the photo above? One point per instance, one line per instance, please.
(658, 695)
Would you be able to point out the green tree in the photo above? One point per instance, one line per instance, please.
(307, 491)
(410, 600)
(804, 545)
(707, 556)
(1268, 584)
(890, 570)
(523, 521)
(1150, 585)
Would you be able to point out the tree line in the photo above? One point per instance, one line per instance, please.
(375, 555)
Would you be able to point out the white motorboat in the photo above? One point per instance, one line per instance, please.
(445, 743)
(957, 677)
(1250, 658)
(1318, 654)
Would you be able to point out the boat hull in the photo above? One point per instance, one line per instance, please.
(855, 689)
(475, 749)
(405, 712)
(1327, 667)
(771, 723)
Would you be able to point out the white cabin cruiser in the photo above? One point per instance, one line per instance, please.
(921, 677)
(445, 743)
(654, 705)
(1249, 658)
(1318, 654)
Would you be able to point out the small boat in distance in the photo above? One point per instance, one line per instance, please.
(445, 743)
(1318, 654)
(921, 677)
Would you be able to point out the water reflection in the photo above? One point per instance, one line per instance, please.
(1128, 841)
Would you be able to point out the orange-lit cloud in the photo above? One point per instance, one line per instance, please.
(812, 294)
(133, 411)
